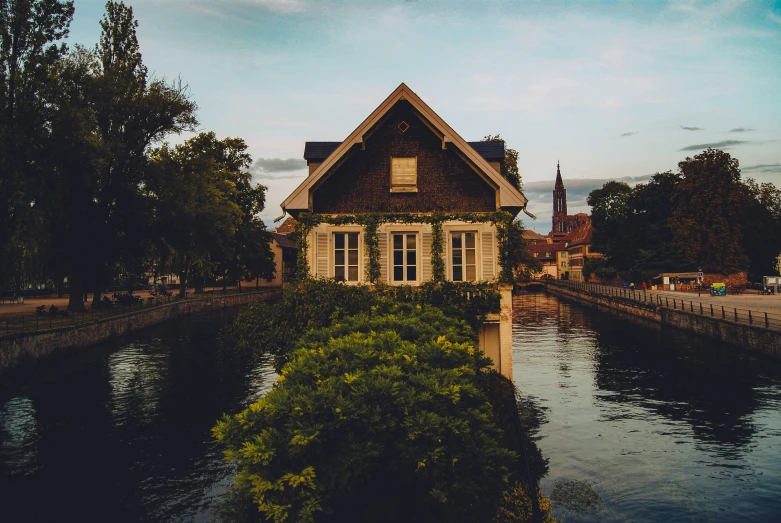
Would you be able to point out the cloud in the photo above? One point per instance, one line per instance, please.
(726, 144)
(692, 128)
(629, 133)
(764, 168)
(776, 18)
(740, 130)
(263, 166)
(280, 6)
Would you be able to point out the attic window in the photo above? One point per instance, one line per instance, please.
(403, 126)
(404, 174)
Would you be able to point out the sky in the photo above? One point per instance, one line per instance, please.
(613, 90)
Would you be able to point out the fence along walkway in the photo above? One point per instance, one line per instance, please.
(17, 324)
(653, 300)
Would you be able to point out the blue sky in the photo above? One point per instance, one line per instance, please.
(613, 90)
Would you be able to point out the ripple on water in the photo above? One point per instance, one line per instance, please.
(663, 426)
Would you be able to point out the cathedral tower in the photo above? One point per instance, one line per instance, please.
(559, 205)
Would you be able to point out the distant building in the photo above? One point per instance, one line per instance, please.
(563, 223)
(580, 249)
(546, 254)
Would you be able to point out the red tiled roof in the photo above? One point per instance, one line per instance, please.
(288, 226)
(284, 241)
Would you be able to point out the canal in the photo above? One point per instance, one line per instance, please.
(637, 424)
(641, 424)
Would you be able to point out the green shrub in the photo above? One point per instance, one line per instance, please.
(378, 417)
(274, 327)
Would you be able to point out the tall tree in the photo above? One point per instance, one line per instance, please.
(609, 214)
(131, 114)
(759, 215)
(30, 32)
(706, 218)
(509, 164)
(207, 208)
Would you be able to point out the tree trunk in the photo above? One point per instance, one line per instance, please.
(183, 278)
(75, 301)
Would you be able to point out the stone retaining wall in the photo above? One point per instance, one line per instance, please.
(745, 336)
(29, 348)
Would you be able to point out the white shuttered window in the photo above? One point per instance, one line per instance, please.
(488, 257)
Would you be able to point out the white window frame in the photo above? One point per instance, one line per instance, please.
(418, 256)
(397, 187)
(450, 264)
(332, 232)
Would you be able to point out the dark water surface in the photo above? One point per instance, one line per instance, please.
(654, 426)
(121, 432)
(661, 426)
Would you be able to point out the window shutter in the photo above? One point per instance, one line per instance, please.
(488, 258)
(382, 239)
(321, 269)
(425, 256)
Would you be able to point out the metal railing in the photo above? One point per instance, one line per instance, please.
(652, 300)
(27, 323)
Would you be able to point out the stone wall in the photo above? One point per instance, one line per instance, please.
(748, 337)
(445, 182)
(26, 349)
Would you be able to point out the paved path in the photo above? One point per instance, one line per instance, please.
(754, 302)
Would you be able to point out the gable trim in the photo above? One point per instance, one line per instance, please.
(508, 196)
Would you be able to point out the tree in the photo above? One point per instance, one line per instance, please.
(510, 164)
(759, 214)
(706, 218)
(131, 114)
(29, 34)
(609, 216)
(206, 209)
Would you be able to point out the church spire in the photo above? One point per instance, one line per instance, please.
(559, 181)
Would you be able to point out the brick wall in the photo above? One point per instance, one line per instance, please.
(445, 182)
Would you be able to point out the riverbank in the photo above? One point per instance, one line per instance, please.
(31, 347)
(717, 318)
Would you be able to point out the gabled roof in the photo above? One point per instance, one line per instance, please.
(509, 196)
(319, 151)
(283, 241)
(581, 235)
(288, 226)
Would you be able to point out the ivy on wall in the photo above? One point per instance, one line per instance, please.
(509, 236)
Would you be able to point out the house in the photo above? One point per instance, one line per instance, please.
(285, 253)
(580, 249)
(423, 186)
(546, 254)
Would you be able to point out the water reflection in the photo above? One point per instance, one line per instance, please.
(122, 432)
(666, 425)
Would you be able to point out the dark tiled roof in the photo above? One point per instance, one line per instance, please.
(491, 151)
(319, 151)
(284, 241)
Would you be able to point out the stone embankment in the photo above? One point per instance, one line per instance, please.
(32, 347)
(758, 332)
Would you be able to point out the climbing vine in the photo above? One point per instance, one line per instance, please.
(509, 237)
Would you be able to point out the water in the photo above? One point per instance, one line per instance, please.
(121, 432)
(661, 426)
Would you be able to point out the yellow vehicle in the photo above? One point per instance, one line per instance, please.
(718, 289)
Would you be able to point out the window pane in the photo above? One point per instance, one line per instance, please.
(398, 241)
(339, 257)
(457, 274)
(411, 242)
(398, 257)
(471, 273)
(456, 240)
(457, 258)
(398, 273)
(352, 240)
(352, 257)
(339, 273)
(470, 256)
(353, 273)
(470, 240)
(410, 257)
(411, 273)
(339, 241)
